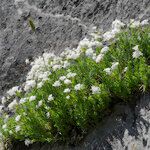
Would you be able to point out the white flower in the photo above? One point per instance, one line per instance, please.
(71, 75)
(84, 43)
(40, 84)
(114, 66)
(67, 90)
(78, 87)
(62, 78)
(94, 56)
(32, 98)
(108, 35)
(40, 103)
(125, 69)
(116, 28)
(18, 118)
(22, 100)
(95, 90)
(144, 22)
(57, 84)
(12, 105)
(50, 97)
(66, 64)
(56, 67)
(13, 91)
(39, 68)
(10, 132)
(1, 108)
(67, 81)
(44, 76)
(89, 52)
(47, 114)
(136, 48)
(73, 55)
(95, 43)
(43, 80)
(134, 24)
(104, 49)
(48, 56)
(95, 36)
(137, 54)
(28, 142)
(18, 128)
(29, 84)
(99, 58)
(115, 31)
(68, 97)
(3, 100)
(27, 61)
(108, 71)
(4, 127)
(117, 24)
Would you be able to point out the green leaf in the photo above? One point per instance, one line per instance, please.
(32, 25)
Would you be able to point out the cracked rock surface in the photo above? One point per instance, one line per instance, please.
(59, 24)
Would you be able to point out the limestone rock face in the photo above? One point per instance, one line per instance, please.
(59, 24)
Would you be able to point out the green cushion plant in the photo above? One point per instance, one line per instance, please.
(68, 94)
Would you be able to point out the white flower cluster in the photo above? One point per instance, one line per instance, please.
(29, 84)
(18, 118)
(135, 23)
(43, 67)
(22, 100)
(13, 104)
(32, 98)
(40, 70)
(28, 142)
(95, 90)
(117, 25)
(86, 43)
(102, 53)
(18, 128)
(57, 84)
(13, 91)
(113, 67)
(116, 28)
(50, 98)
(78, 87)
(137, 53)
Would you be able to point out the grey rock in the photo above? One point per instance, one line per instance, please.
(59, 24)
